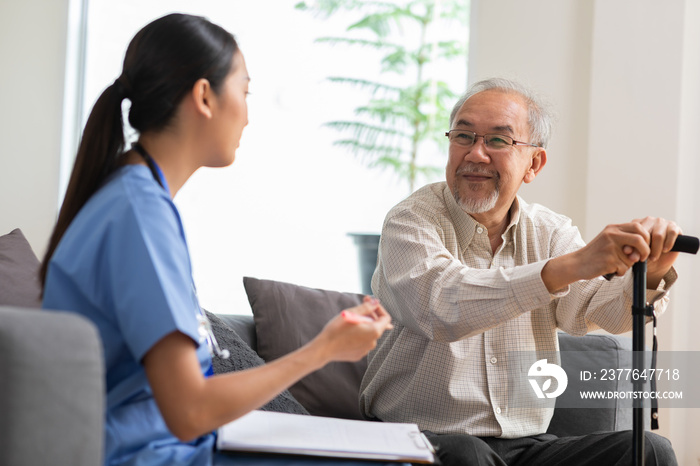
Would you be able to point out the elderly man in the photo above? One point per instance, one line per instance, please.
(470, 271)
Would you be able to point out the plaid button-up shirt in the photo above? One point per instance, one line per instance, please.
(459, 309)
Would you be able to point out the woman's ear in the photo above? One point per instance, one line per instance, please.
(202, 95)
(539, 160)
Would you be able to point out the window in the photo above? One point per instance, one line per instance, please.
(284, 209)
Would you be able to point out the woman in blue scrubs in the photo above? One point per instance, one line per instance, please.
(118, 253)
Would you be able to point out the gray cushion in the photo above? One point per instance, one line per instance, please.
(19, 266)
(243, 357)
(243, 325)
(288, 316)
(582, 353)
(51, 389)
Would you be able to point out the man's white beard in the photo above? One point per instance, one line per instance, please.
(477, 206)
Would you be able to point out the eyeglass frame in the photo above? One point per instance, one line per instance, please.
(483, 136)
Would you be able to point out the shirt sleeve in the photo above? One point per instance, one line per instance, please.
(430, 291)
(598, 303)
(148, 269)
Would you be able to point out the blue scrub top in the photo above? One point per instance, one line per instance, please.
(124, 264)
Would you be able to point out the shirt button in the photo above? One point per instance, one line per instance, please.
(498, 410)
(480, 230)
(494, 360)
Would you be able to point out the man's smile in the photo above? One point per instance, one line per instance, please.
(474, 174)
(473, 177)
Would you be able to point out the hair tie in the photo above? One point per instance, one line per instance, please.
(123, 86)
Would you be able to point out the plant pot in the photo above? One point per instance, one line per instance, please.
(367, 250)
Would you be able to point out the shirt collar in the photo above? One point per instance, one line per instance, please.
(466, 225)
(514, 219)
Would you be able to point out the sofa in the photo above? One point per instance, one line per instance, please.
(52, 372)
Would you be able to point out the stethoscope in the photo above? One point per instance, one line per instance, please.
(204, 329)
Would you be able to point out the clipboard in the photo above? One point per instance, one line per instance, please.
(295, 434)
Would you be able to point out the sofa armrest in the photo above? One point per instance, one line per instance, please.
(581, 353)
(51, 389)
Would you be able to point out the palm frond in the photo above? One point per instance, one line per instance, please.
(381, 20)
(386, 111)
(373, 86)
(367, 133)
(451, 49)
(369, 151)
(397, 61)
(395, 122)
(376, 44)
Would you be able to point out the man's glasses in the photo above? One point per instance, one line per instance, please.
(465, 138)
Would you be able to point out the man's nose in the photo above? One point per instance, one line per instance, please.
(477, 152)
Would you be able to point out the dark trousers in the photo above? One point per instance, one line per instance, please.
(600, 449)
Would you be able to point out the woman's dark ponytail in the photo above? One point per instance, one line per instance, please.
(162, 63)
(102, 142)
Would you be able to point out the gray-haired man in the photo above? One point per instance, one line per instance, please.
(469, 271)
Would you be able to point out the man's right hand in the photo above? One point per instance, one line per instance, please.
(614, 251)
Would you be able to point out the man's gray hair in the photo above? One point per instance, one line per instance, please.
(539, 115)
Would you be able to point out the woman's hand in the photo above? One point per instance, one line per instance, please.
(193, 405)
(354, 332)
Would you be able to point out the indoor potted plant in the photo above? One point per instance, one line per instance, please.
(408, 105)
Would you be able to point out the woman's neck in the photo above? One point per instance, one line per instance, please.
(171, 154)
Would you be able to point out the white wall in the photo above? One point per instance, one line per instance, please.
(32, 54)
(624, 78)
(653, 100)
(544, 44)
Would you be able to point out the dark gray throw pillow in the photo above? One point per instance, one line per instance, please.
(243, 357)
(19, 268)
(288, 316)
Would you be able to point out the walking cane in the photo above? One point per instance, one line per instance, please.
(640, 311)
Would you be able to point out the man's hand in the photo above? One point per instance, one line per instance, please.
(615, 250)
(663, 234)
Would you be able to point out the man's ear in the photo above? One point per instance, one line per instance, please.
(539, 160)
(202, 97)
